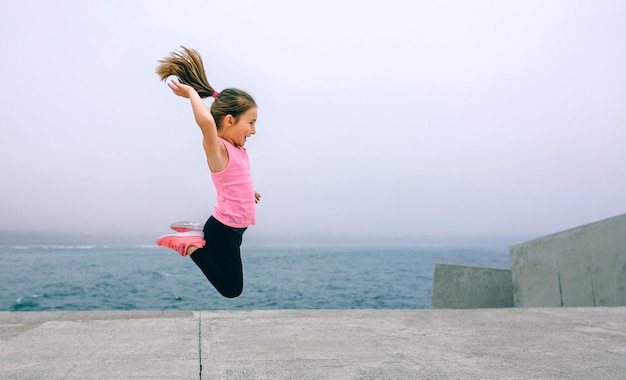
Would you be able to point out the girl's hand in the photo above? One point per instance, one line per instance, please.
(257, 197)
(181, 89)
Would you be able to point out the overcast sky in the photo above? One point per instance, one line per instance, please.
(385, 120)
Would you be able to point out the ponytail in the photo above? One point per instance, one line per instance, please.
(187, 66)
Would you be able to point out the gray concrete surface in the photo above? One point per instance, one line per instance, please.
(513, 343)
(471, 287)
(582, 266)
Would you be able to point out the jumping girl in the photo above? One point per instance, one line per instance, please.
(215, 246)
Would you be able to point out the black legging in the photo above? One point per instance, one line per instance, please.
(220, 259)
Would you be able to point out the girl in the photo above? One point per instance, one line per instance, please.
(225, 128)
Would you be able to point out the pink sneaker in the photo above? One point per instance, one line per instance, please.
(181, 241)
(187, 226)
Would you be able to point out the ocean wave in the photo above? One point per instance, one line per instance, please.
(26, 298)
(71, 247)
(53, 246)
(27, 302)
(159, 274)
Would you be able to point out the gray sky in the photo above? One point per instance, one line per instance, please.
(377, 119)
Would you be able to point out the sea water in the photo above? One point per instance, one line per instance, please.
(61, 278)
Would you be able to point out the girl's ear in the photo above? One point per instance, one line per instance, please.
(229, 121)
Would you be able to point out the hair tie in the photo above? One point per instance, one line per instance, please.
(215, 94)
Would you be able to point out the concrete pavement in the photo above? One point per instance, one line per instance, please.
(513, 343)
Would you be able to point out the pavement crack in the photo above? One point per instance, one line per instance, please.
(200, 343)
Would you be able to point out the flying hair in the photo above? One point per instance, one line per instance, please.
(187, 66)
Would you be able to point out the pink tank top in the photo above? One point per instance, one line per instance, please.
(235, 206)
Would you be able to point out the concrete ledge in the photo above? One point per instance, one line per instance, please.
(582, 266)
(470, 287)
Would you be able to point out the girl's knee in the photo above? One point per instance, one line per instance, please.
(231, 293)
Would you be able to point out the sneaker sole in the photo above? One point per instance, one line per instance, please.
(187, 226)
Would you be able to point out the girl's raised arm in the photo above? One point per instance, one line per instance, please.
(214, 149)
(187, 66)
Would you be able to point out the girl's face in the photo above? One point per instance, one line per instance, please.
(237, 132)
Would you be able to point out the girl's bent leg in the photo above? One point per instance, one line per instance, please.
(220, 258)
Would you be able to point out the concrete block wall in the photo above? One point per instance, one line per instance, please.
(470, 287)
(583, 266)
